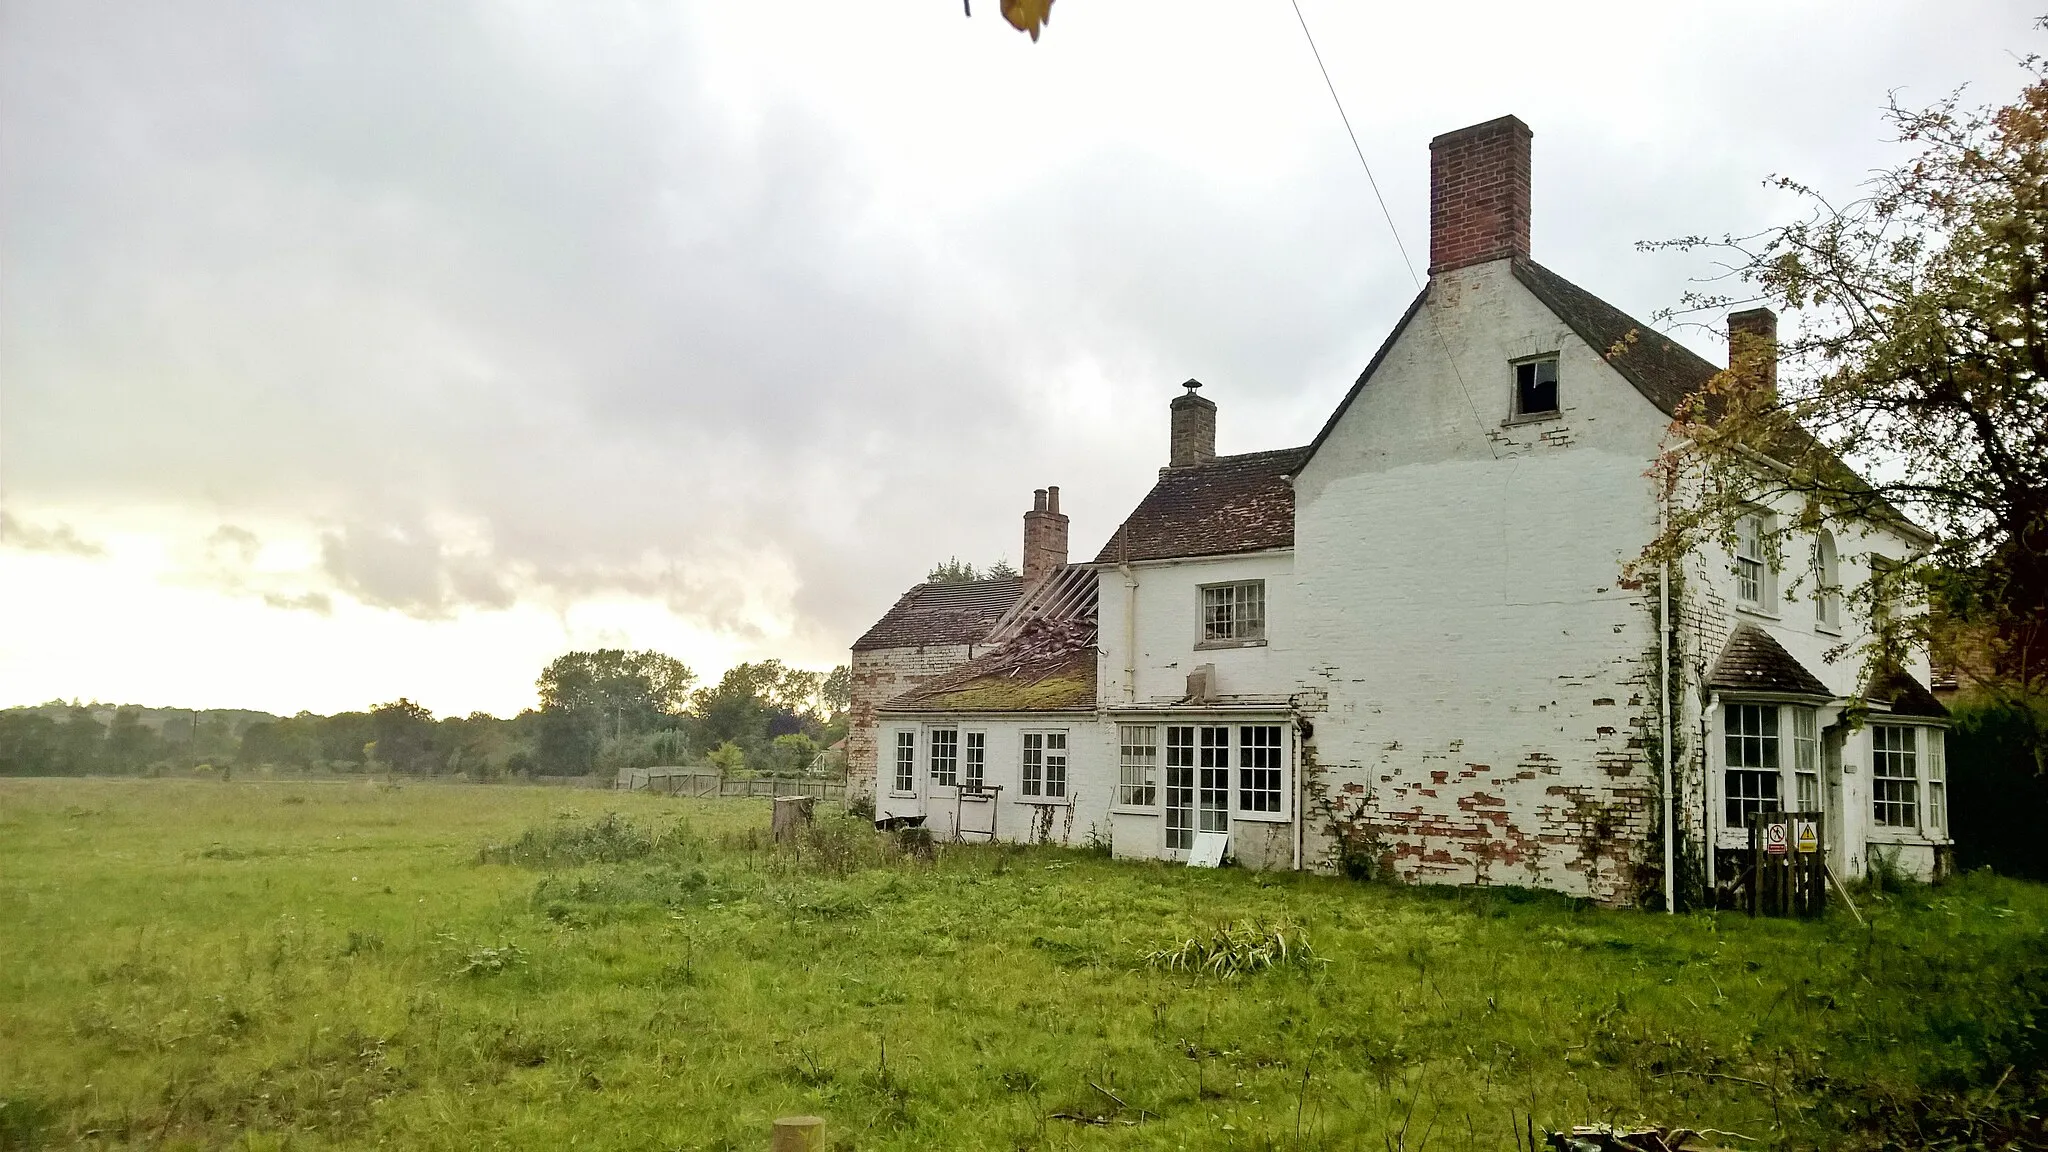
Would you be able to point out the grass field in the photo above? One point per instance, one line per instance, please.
(270, 965)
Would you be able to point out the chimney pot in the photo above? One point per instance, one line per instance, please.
(1193, 430)
(1045, 536)
(1479, 194)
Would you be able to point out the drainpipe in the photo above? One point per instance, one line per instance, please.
(1664, 707)
(1130, 632)
(1299, 781)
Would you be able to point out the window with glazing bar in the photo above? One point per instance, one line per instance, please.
(1138, 784)
(1894, 782)
(1234, 612)
(1751, 782)
(945, 757)
(974, 761)
(1045, 765)
(1259, 768)
(906, 762)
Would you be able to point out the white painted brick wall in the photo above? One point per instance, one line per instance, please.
(1489, 678)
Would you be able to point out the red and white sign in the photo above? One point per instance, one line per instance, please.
(1777, 838)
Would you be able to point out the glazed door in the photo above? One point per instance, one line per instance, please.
(1180, 791)
(1214, 795)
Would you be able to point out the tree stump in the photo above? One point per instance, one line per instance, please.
(792, 816)
(798, 1134)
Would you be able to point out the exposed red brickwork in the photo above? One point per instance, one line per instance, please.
(1479, 194)
(1045, 536)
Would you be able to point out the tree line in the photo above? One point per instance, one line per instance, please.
(600, 711)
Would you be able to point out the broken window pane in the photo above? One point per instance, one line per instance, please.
(1536, 387)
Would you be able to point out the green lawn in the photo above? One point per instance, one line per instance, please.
(273, 965)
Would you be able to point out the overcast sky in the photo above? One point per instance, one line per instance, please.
(351, 350)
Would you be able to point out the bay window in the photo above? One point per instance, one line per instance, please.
(1894, 776)
(1751, 780)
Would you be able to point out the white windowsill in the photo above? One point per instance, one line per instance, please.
(1213, 645)
(1756, 610)
(1906, 839)
(1047, 801)
(895, 795)
(1125, 810)
(1826, 629)
(1264, 817)
(1531, 418)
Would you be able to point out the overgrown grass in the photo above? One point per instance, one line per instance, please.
(311, 966)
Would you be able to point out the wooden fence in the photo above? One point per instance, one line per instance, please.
(1788, 864)
(700, 782)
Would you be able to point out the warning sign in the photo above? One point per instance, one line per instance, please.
(1775, 838)
(1806, 836)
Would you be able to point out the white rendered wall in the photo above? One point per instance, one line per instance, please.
(1169, 630)
(1091, 779)
(1487, 680)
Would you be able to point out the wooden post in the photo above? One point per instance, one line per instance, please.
(792, 815)
(798, 1134)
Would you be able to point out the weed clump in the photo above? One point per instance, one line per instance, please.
(1239, 948)
(488, 959)
(609, 839)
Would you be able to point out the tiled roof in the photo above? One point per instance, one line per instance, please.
(1666, 373)
(1906, 695)
(1049, 667)
(943, 614)
(1753, 662)
(1224, 505)
(1663, 370)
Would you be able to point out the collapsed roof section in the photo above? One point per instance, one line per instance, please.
(1044, 659)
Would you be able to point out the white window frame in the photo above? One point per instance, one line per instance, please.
(1043, 766)
(1895, 795)
(1534, 363)
(1935, 823)
(903, 778)
(1752, 761)
(1806, 782)
(1827, 583)
(1138, 766)
(942, 756)
(973, 759)
(1756, 578)
(1261, 792)
(1243, 602)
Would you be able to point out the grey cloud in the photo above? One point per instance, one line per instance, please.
(61, 539)
(318, 603)
(381, 266)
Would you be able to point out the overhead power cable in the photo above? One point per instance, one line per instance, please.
(1389, 217)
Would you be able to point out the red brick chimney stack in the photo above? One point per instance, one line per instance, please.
(1045, 536)
(1194, 429)
(1753, 347)
(1479, 194)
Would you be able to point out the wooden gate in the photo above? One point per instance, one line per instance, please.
(1788, 864)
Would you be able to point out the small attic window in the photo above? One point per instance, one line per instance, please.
(1536, 387)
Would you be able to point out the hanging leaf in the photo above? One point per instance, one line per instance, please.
(1028, 15)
